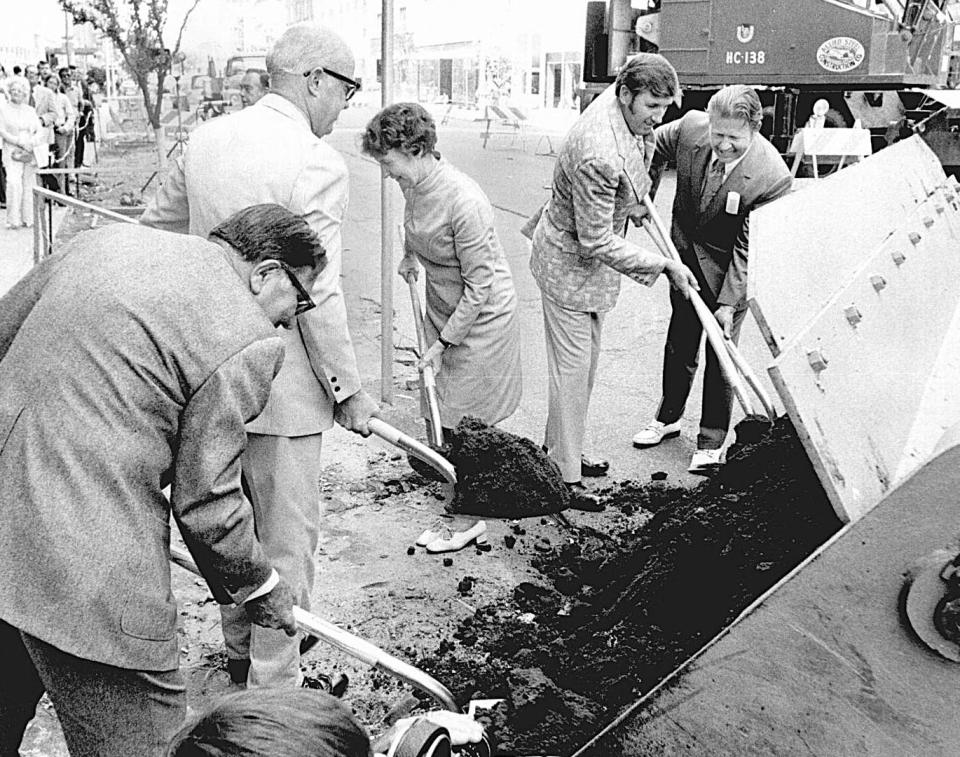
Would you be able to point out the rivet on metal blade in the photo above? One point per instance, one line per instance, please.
(914, 237)
(817, 360)
(879, 283)
(853, 315)
(928, 222)
(898, 257)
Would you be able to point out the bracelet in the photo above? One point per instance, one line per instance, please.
(444, 342)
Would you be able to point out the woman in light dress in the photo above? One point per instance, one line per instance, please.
(23, 138)
(471, 318)
(471, 304)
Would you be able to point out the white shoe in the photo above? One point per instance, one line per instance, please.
(706, 461)
(434, 531)
(656, 432)
(457, 540)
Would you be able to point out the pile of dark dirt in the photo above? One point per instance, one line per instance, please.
(621, 611)
(502, 475)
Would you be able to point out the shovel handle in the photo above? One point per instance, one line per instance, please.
(408, 444)
(417, 313)
(359, 649)
(657, 230)
(428, 381)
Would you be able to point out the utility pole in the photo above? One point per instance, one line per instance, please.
(66, 38)
(388, 227)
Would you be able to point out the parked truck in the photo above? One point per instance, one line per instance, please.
(891, 64)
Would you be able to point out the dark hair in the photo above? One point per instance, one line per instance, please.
(651, 73)
(17, 70)
(406, 127)
(264, 76)
(270, 231)
(737, 101)
(284, 722)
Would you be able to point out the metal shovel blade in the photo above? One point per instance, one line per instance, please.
(354, 646)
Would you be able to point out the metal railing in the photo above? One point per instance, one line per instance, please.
(43, 200)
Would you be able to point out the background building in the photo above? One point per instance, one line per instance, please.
(528, 52)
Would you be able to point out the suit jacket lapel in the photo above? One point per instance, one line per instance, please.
(698, 173)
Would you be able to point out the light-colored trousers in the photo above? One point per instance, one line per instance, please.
(573, 349)
(21, 177)
(283, 476)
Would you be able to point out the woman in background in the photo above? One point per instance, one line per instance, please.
(22, 138)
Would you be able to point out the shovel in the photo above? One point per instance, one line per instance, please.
(732, 363)
(354, 646)
(428, 381)
(419, 450)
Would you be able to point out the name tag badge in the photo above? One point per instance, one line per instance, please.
(733, 203)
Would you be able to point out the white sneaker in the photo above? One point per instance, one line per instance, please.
(706, 461)
(656, 432)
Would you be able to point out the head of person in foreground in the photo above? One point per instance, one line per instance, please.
(277, 255)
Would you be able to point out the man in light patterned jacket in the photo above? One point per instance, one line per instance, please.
(579, 251)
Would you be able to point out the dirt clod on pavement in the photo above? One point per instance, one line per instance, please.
(502, 475)
(619, 612)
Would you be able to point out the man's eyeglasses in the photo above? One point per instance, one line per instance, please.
(304, 300)
(348, 91)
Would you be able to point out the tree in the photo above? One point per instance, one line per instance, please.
(136, 29)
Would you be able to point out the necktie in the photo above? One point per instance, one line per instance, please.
(712, 184)
(31, 102)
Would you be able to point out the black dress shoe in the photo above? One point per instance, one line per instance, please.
(593, 468)
(238, 669)
(582, 498)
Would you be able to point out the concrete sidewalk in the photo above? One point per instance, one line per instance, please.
(16, 255)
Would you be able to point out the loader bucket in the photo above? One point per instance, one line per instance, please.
(853, 283)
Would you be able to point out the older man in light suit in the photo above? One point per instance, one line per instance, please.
(130, 362)
(579, 251)
(725, 169)
(273, 152)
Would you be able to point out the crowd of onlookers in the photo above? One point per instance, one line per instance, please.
(46, 119)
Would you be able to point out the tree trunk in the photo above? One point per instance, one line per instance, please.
(161, 143)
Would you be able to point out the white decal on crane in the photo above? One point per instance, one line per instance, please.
(840, 54)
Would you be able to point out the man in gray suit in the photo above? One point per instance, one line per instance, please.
(131, 362)
(273, 151)
(725, 169)
(579, 251)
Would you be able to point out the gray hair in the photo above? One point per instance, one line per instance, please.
(270, 231)
(737, 101)
(13, 81)
(303, 47)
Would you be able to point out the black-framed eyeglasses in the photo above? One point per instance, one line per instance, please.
(352, 86)
(304, 300)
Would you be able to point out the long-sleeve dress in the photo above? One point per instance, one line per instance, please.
(470, 298)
